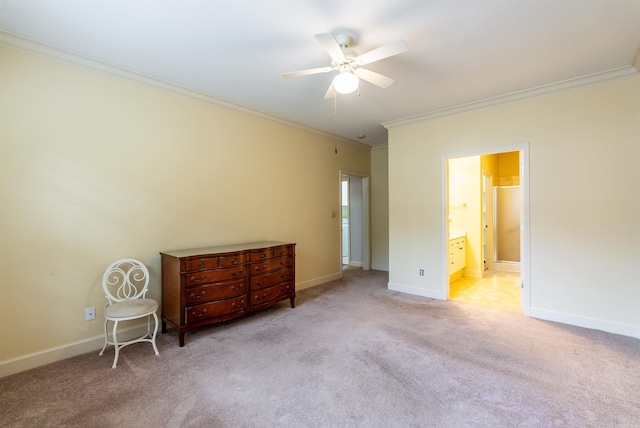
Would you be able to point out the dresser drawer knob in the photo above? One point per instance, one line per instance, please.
(263, 256)
(194, 279)
(234, 261)
(201, 264)
(204, 311)
(238, 272)
(194, 296)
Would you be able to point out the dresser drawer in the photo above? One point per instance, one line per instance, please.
(201, 263)
(231, 260)
(273, 264)
(223, 290)
(270, 279)
(214, 275)
(285, 250)
(271, 293)
(212, 309)
(256, 256)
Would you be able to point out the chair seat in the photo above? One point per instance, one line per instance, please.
(131, 309)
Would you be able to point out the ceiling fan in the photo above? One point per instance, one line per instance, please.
(347, 62)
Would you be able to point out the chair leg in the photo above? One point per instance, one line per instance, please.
(155, 332)
(106, 337)
(115, 345)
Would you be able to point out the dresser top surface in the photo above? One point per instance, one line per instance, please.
(224, 249)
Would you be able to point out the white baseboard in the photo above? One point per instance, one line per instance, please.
(586, 322)
(355, 264)
(383, 268)
(58, 353)
(416, 291)
(317, 281)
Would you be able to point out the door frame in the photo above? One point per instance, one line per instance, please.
(366, 216)
(525, 262)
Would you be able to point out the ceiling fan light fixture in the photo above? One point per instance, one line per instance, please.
(346, 82)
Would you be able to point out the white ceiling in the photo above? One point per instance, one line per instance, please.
(460, 51)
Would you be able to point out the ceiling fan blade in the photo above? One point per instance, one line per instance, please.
(383, 52)
(373, 77)
(307, 72)
(331, 92)
(330, 44)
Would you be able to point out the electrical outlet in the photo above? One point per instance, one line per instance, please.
(421, 272)
(90, 313)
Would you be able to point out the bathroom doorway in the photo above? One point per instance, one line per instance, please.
(477, 187)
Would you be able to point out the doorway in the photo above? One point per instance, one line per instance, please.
(354, 224)
(486, 195)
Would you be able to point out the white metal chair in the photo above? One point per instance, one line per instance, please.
(125, 284)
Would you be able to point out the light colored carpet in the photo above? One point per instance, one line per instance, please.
(351, 354)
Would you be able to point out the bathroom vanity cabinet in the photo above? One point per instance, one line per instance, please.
(457, 255)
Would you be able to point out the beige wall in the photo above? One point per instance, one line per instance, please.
(95, 168)
(584, 204)
(380, 209)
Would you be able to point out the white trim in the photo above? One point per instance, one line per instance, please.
(58, 353)
(355, 264)
(31, 46)
(539, 91)
(383, 268)
(366, 216)
(586, 322)
(416, 291)
(318, 281)
(366, 226)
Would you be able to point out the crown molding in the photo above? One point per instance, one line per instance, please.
(15, 41)
(565, 85)
(380, 147)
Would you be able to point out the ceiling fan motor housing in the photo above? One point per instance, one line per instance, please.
(344, 40)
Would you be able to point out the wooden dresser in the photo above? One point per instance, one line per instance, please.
(207, 285)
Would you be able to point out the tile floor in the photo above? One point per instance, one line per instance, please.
(497, 289)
